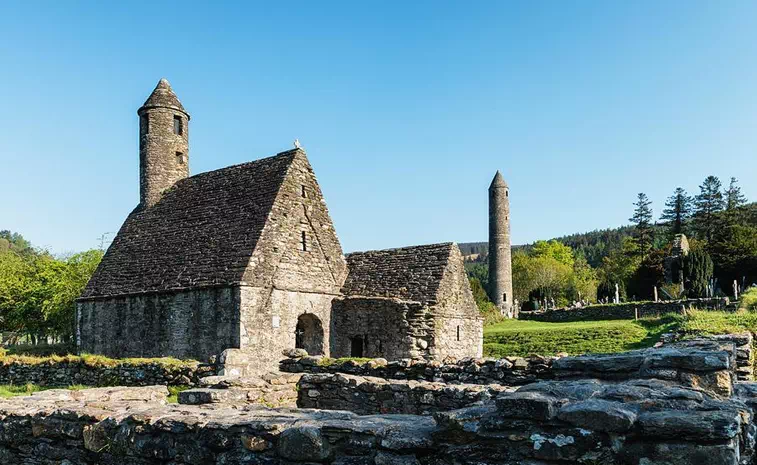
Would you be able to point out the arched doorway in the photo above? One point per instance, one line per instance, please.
(309, 334)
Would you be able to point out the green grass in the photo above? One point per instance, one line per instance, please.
(93, 360)
(173, 393)
(748, 300)
(522, 338)
(10, 390)
(326, 361)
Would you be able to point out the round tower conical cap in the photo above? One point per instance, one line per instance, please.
(498, 181)
(163, 97)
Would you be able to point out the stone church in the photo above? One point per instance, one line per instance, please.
(246, 257)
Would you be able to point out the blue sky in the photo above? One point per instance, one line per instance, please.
(406, 109)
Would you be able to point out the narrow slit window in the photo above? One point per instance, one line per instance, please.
(178, 125)
(144, 124)
(180, 158)
(504, 297)
(304, 192)
(458, 333)
(304, 242)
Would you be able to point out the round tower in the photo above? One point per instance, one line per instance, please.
(163, 143)
(500, 266)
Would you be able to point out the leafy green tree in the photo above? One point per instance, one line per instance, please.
(708, 204)
(553, 249)
(617, 268)
(642, 219)
(735, 254)
(650, 273)
(678, 209)
(583, 282)
(697, 271)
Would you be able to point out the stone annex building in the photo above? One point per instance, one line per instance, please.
(246, 257)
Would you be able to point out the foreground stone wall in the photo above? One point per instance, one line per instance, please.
(626, 311)
(639, 422)
(66, 373)
(368, 396)
(510, 371)
(196, 324)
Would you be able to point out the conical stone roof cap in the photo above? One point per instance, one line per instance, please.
(163, 97)
(498, 181)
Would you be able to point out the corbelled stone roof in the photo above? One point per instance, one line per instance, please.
(163, 97)
(498, 181)
(202, 232)
(408, 273)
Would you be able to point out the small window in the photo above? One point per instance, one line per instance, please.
(180, 158)
(507, 193)
(304, 192)
(178, 125)
(304, 243)
(144, 124)
(458, 332)
(504, 297)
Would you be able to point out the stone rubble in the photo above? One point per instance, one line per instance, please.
(271, 389)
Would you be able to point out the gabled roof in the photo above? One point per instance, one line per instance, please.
(201, 233)
(408, 273)
(163, 97)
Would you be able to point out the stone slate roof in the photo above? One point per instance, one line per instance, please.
(163, 97)
(202, 232)
(409, 273)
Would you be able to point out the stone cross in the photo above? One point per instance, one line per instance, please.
(655, 294)
(617, 294)
(735, 290)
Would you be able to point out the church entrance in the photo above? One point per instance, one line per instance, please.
(309, 334)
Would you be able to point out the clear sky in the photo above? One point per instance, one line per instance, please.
(406, 109)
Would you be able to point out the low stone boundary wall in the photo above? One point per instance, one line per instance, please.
(624, 311)
(67, 373)
(511, 371)
(368, 396)
(271, 389)
(547, 423)
(742, 342)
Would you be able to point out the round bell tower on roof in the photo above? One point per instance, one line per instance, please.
(163, 143)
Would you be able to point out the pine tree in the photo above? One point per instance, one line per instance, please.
(708, 204)
(642, 219)
(733, 196)
(697, 272)
(678, 210)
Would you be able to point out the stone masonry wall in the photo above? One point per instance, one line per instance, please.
(688, 363)
(511, 371)
(458, 326)
(370, 396)
(196, 324)
(124, 374)
(626, 311)
(388, 328)
(586, 421)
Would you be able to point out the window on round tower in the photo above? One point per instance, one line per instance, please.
(144, 124)
(178, 125)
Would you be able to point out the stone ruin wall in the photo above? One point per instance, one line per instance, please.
(388, 328)
(625, 311)
(193, 324)
(676, 405)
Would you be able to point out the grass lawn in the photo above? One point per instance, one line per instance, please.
(10, 390)
(521, 338)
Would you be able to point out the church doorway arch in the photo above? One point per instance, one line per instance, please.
(309, 334)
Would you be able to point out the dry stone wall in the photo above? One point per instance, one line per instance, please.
(369, 396)
(511, 371)
(636, 422)
(64, 373)
(626, 311)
